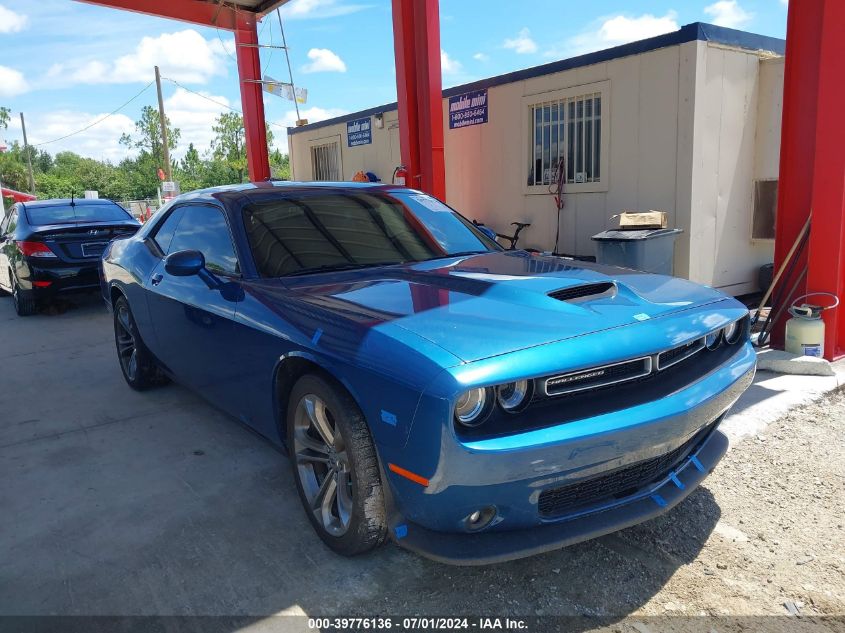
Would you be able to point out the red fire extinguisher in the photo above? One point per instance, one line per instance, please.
(400, 176)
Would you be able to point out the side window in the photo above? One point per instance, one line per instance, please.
(204, 229)
(12, 222)
(165, 231)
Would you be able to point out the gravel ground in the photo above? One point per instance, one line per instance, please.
(764, 535)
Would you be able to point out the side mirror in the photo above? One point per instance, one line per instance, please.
(184, 263)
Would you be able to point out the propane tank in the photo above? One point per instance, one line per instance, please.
(805, 330)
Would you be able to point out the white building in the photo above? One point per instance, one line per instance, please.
(687, 123)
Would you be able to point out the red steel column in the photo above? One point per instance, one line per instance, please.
(416, 37)
(812, 159)
(252, 100)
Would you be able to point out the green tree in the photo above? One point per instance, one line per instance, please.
(228, 145)
(13, 172)
(190, 171)
(147, 137)
(279, 165)
(5, 115)
(141, 172)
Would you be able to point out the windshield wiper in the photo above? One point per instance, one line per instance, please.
(325, 268)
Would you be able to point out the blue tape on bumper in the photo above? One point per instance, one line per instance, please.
(388, 418)
(401, 531)
(674, 477)
(659, 500)
(316, 336)
(696, 463)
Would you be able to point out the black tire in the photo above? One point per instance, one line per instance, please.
(25, 304)
(137, 364)
(351, 456)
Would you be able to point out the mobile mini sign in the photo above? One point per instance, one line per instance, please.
(359, 132)
(468, 109)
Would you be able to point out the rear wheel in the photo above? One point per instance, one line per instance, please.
(25, 304)
(335, 466)
(136, 362)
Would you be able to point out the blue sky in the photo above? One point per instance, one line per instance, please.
(67, 64)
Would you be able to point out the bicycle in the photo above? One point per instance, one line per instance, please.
(513, 239)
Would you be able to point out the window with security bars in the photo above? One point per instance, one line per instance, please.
(324, 163)
(567, 130)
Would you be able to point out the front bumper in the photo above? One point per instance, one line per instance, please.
(511, 473)
(496, 547)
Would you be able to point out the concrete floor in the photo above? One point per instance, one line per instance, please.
(119, 503)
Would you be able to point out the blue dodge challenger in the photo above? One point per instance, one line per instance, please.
(472, 404)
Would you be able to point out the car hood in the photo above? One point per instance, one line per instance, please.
(484, 305)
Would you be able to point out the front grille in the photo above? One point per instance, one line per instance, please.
(584, 291)
(677, 354)
(618, 483)
(595, 377)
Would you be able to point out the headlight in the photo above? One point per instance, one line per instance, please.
(470, 407)
(712, 340)
(732, 332)
(513, 395)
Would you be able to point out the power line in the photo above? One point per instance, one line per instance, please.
(218, 103)
(98, 121)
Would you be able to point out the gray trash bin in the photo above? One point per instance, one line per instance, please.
(650, 250)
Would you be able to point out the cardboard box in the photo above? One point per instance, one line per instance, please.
(644, 220)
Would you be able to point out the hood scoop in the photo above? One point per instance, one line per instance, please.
(584, 292)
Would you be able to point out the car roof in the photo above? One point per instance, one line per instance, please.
(287, 186)
(63, 202)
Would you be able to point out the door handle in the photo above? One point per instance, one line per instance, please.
(156, 279)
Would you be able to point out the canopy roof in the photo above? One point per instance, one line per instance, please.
(17, 196)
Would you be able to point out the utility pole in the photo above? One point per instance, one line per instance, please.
(28, 157)
(163, 125)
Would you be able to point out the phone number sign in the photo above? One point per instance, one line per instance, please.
(468, 109)
(359, 132)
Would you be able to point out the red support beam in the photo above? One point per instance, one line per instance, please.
(812, 159)
(205, 13)
(416, 37)
(252, 99)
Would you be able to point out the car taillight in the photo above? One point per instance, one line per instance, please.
(35, 249)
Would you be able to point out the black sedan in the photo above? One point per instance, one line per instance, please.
(54, 246)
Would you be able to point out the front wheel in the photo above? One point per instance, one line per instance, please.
(136, 362)
(335, 466)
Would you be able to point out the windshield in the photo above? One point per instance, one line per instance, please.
(67, 214)
(315, 231)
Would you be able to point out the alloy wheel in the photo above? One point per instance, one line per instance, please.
(127, 350)
(322, 465)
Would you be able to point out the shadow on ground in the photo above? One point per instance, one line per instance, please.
(123, 503)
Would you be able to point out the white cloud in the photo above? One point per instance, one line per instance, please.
(100, 142)
(12, 82)
(522, 43)
(313, 115)
(185, 56)
(448, 65)
(311, 9)
(616, 30)
(324, 61)
(481, 57)
(194, 115)
(11, 22)
(728, 13)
